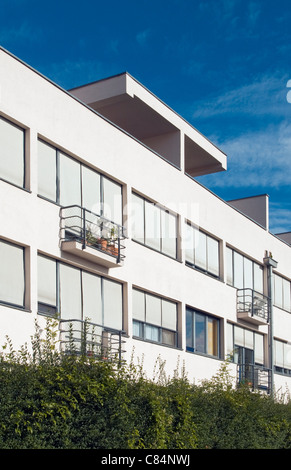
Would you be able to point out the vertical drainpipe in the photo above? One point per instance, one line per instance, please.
(270, 263)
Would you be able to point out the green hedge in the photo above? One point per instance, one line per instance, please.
(53, 401)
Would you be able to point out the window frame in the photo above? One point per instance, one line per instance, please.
(196, 266)
(232, 251)
(24, 269)
(24, 157)
(56, 309)
(142, 241)
(102, 202)
(191, 315)
(282, 305)
(144, 324)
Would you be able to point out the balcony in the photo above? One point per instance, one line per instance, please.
(252, 306)
(91, 236)
(89, 339)
(256, 377)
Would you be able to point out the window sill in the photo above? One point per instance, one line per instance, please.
(208, 356)
(15, 307)
(156, 251)
(156, 343)
(16, 185)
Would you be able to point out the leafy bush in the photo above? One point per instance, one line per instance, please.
(56, 401)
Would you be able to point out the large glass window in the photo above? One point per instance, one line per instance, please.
(12, 274)
(78, 295)
(282, 357)
(12, 163)
(154, 318)
(202, 251)
(202, 333)
(282, 293)
(242, 272)
(245, 346)
(47, 171)
(66, 181)
(154, 226)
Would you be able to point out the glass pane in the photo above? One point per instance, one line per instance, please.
(249, 339)
(239, 337)
(189, 330)
(92, 303)
(91, 190)
(169, 315)
(287, 356)
(258, 278)
(151, 333)
(137, 218)
(112, 300)
(286, 294)
(229, 338)
(138, 305)
(213, 256)
(70, 181)
(229, 267)
(137, 329)
(278, 291)
(238, 274)
(70, 293)
(168, 233)
(200, 249)
(47, 171)
(153, 310)
(12, 280)
(11, 153)
(112, 201)
(152, 226)
(259, 349)
(47, 281)
(248, 274)
(189, 243)
(168, 337)
(200, 333)
(212, 336)
(279, 353)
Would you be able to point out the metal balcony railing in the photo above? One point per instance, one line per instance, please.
(92, 230)
(254, 303)
(89, 339)
(257, 377)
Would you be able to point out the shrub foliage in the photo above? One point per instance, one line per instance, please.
(59, 401)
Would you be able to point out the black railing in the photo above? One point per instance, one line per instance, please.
(254, 303)
(92, 230)
(255, 376)
(83, 337)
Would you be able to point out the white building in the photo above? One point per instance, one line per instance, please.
(189, 277)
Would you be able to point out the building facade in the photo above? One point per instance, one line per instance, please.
(103, 222)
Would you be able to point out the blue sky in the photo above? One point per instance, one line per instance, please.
(224, 65)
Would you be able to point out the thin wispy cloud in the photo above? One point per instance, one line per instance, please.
(142, 37)
(23, 32)
(264, 96)
(257, 158)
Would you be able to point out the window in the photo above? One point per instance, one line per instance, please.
(66, 181)
(242, 272)
(245, 346)
(202, 333)
(12, 155)
(78, 295)
(282, 293)
(282, 357)
(12, 274)
(153, 226)
(154, 318)
(202, 251)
